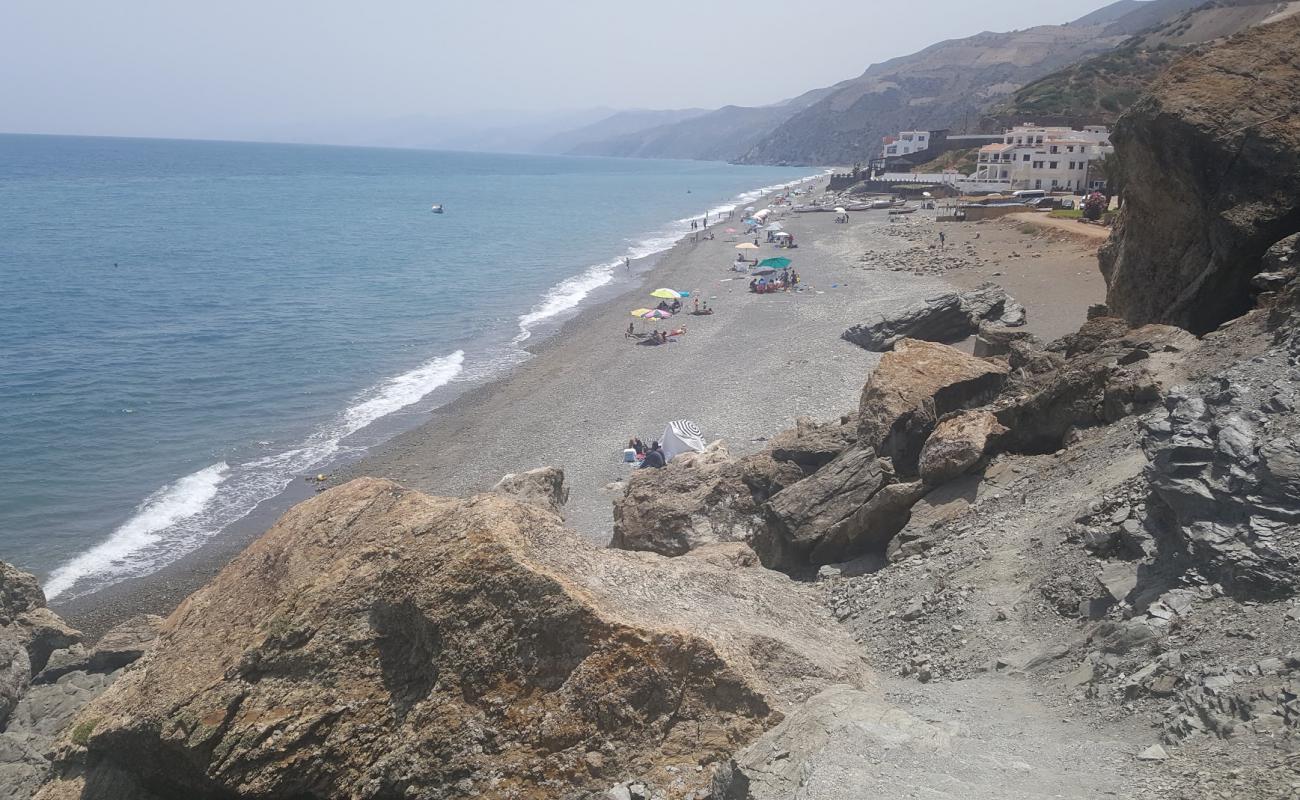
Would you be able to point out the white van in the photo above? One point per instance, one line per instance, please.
(1029, 194)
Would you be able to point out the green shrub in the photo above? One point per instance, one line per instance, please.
(81, 733)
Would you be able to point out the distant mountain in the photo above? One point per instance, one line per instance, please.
(620, 124)
(1102, 87)
(952, 84)
(718, 135)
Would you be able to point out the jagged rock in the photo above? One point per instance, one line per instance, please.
(23, 766)
(945, 318)
(542, 487)
(691, 502)
(1235, 495)
(119, 646)
(19, 593)
(803, 514)
(994, 340)
(45, 632)
(812, 445)
(379, 642)
(1189, 239)
(15, 672)
(912, 387)
(872, 526)
(957, 444)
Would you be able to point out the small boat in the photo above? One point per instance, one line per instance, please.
(904, 210)
(437, 208)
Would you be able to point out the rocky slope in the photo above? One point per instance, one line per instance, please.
(1102, 87)
(377, 642)
(1207, 185)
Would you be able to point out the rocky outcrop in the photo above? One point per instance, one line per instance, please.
(805, 513)
(957, 444)
(871, 527)
(695, 501)
(38, 695)
(1231, 476)
(542, 487)
(1208, 186)
(946, 318)
(811, 445)
(913, 386)
(378, 642)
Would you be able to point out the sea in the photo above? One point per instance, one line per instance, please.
(188, 327)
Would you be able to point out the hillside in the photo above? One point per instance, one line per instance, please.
(623, 123)
(721, 134)
(1104, 86)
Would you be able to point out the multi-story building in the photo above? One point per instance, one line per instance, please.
(1034, 157)
(906, 143)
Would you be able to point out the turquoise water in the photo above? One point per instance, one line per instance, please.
(187, 327)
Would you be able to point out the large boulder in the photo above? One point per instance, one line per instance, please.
(1208, 184)
(378, 642)
(913, 386)
(120, 645)
(543, 487)
(957, 444)
(695, 501)
(19, 593)
(803, 514)
(871, 527)
(946, 318)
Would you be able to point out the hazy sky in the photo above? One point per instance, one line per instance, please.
(234, 68)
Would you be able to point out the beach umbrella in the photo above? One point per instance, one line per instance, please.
(641, 312)
(746, 246)
(840, 210)
(780, 262)
(666, 294)
(655, 313)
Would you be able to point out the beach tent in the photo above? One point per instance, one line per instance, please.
(681, 436)
(762, 216)
(780, 262)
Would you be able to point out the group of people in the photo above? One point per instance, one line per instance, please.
(651, 457)
(671, 308)
(654, 337)
(787, 281)
(702, 311)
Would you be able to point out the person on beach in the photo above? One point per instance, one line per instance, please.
(631, 330)
(697, 305)
(942, 239)
(654, 459)
(627, 263)
(637, 445)
(706, 310)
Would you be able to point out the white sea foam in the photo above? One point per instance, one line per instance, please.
(181, 516)
(569, 293)
(168, 507)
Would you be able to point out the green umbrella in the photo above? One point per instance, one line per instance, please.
(780, 262)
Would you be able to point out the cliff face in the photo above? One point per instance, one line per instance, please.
(378, 642)
(1208, 163)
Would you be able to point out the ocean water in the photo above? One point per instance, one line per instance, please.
(188, 327)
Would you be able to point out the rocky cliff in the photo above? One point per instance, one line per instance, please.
(1207, 163)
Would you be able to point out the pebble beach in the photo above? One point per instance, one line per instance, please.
(743, 373)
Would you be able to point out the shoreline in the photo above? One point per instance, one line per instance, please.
(744, 374)
(158, 592)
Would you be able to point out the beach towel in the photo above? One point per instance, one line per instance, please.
(681, 436)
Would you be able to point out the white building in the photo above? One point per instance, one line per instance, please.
(1034, 157)
(905, 143)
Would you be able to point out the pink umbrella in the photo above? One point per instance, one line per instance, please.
(656, 314)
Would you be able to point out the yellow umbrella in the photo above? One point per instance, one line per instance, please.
(666, 294)
(746, 246)
(640, 312)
